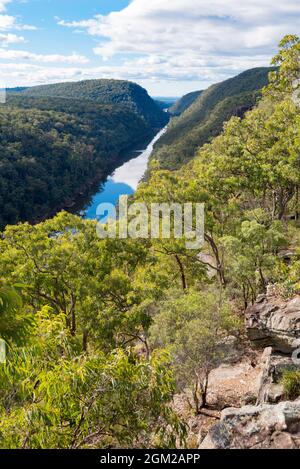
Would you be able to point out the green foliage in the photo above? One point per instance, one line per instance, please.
(252, 257)
(56, 140)
(14, 322)
(291, 383)
(184, 103)
(52, 149)
(55, 398)
(120, 92)
(112, 329)
(193, 327)
(249, 179)
(204, 119)
(95, 283)
(285, 80)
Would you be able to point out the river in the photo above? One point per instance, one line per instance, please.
(123, 181)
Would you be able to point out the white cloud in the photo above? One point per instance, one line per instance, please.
(8, 22)
(170, 44)
(16, 73)
(181, 25)
(3, 4)
(47, 58)
(192, 39)
(9, 38)
(26, 74)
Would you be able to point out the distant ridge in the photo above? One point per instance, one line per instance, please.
(104, 91)
(184, 103)
(205, 117)
(56, 141)
(17, 89)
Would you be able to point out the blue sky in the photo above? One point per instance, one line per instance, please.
(52, 38)
(169, 47)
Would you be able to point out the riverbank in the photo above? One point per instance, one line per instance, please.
(122, 181)
(80, 198)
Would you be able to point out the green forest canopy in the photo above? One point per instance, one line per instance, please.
(184, 103)
(106, 91)
(112, 329)
(52, 148)
(205, 117)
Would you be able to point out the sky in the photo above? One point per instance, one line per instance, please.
(170, 47)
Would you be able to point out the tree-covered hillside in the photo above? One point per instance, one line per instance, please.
(108, 338)
(55, 140)
(205, 118)
(107, 92)
(183, 103)
(51, 149)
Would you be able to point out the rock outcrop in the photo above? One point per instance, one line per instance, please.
(233, 385)
(273, 322)
(273, 366)
(256, 427)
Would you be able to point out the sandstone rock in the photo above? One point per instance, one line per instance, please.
(275, 393)
(233, 385)
(273, 365)
(274, 322)
(264, 377)
(210, 264)
(265, 426)
(229, 350)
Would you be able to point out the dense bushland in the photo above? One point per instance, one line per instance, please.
(102, 334)
(205, 117)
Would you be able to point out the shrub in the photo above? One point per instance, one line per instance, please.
(291, 383)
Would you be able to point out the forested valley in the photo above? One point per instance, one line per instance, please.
(104, 334)
(53, 148)
(200, 116)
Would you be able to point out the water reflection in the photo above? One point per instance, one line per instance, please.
(123, 181)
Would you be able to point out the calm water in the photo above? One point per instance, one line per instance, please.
(123, 181)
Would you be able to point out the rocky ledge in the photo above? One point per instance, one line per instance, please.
(273, 322)
(256, 427)
(271, 421)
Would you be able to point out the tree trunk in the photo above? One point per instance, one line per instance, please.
(85, 340)
(204, 388)
(262, 279)
(73, 315)
(200, 394)
(182, 273)
(220, 268)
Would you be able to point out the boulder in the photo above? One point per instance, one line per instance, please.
(273, 322)
(256, 427)
(209, 262)
(233, 385)
(273, 365)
